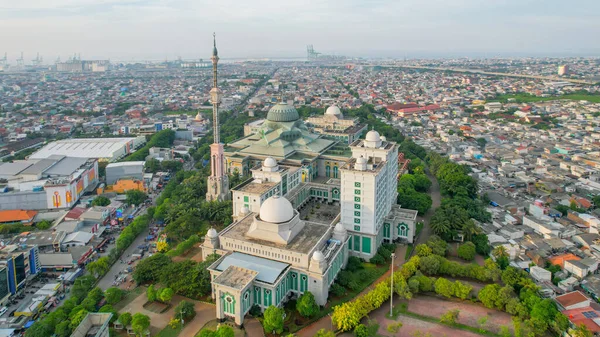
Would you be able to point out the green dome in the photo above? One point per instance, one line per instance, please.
(282, 112)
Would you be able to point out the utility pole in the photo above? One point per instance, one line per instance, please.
(392, 287)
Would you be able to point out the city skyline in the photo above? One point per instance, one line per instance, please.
(158, 30)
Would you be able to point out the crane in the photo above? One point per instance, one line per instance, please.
(37, 60)
(20, 60)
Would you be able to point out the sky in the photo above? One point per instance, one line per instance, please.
(166, 29)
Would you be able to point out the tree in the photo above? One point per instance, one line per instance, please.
(466, 251)
(462, 290)
(437, 245)
(152, 165)
(43, 225)
(423, 250)
(185, 310)
(444, 287)
(430, 265)
(77, 318)
(361, 330)
(499, 251)
(325, 333)
(482, 246)
(140, 323)
(165, 295)
(306, 305)
(273, 319)
(151, 293)
(63, 329)
(450, 317)
(489, 295)
(101, 201)
(125, 318)
(113, 295)
(135, 197)
(150, 269)
(99, 267)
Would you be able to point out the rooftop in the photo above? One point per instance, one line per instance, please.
(266, 270)
(571, 298)
(235, 277)
(303, 243)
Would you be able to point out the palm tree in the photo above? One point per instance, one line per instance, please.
(469, 229)
(499, 252)
(440, 224)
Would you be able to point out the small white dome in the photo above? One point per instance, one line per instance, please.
(333, 110)
(318, 256)
(339, 228)
(276, 210)
(244, 210)
(212, 233)
(383, 139)
(361, 160)
(373, 136)
(269, 162)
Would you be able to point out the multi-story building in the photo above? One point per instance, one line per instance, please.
(333, 125)
(20, 261)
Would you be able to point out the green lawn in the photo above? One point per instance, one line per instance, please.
(409, 250)
(129, 297)
(419, 228)
(169, 332)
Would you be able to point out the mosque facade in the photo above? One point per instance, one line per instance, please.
(311, 202)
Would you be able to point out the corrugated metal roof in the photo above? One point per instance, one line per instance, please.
(268, 270)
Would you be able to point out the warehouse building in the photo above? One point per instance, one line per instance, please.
(103, 149)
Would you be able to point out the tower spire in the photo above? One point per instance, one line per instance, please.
(218, 182)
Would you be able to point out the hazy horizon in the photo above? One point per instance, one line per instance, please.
(166, 29)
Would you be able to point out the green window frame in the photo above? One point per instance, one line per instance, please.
(357, 192)
(356, 243)
(356, 206)
(356, 184)
(246, 198)
(268, 296)
(356, 213)
(356, 199)
(366, 245)
(357, 228)
(257, 295)
(356, 220)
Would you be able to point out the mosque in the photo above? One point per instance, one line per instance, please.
(311, 202)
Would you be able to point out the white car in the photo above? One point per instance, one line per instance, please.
(3, 310)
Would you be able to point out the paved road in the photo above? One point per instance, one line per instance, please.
(436, 200)
(108, 279)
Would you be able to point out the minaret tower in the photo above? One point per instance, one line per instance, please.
(218, 182)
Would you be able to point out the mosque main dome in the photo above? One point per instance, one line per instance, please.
(282, 112)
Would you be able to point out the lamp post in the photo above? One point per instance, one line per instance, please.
(392, 286)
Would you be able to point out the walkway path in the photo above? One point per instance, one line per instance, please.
(253, 328)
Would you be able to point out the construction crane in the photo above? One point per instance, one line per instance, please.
(20, 60)
(402, 164)
(37, 60)
(311, 54)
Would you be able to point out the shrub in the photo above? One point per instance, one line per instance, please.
(337, 290)
(394, 327)
(467, 251)
(378, 260)
(306, 305)
(450, 317)
(354, 263)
